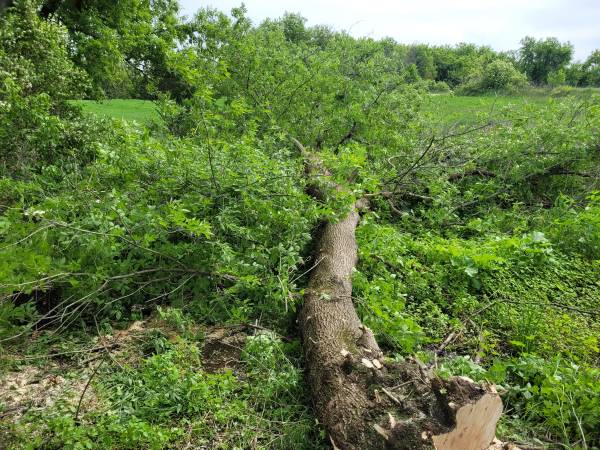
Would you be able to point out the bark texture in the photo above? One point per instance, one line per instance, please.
(362, 401)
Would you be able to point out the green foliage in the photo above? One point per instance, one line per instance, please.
(34, 57)
(33, 137)
(578, 230)
(37, 128)
(557, 78)
(423, 59)
(539, 58)
(123, 47)
(591, 70)
(497, 76)
(168, 400)
(207, 247)
(439, 87)
(440, 283)
(486, 228)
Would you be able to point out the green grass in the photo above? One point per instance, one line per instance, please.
(446, 109)
(142, 111)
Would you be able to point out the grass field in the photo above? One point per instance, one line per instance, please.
(447, 109)
(453, 109)
(444, 109)
(143, 111)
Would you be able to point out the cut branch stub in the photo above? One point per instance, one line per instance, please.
(475, 424)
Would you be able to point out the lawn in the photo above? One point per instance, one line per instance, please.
(449, 109)
(444, 109)
(143, 111)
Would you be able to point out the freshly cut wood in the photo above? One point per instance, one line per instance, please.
(475, 425)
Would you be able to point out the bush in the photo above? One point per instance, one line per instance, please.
(578, 230)
(557, 78)
(37, 127)
(438, 87)
(563, 91)
(34, 55)
(497, 76)
(37, 133)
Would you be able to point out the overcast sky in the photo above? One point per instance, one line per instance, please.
(498, 23)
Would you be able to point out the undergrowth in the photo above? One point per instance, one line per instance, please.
(157, 394)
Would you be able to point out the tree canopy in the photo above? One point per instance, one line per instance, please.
(539, 58)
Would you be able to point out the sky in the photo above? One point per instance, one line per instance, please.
(500, 24)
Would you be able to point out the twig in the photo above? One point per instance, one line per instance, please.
(304, 273)
(390, 395)
(446, 342)
(86, 388)
(26, 237)
(419, 159)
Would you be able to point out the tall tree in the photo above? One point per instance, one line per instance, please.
(538, 58)
(124, 46)
(591, 69)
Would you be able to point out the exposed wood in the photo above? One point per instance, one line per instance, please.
(475, 425)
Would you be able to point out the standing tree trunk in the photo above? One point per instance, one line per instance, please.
(363, 401)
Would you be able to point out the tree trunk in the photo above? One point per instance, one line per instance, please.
(363, 401)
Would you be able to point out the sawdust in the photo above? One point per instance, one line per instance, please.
(33, 388)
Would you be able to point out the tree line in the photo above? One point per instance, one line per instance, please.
(130, 49)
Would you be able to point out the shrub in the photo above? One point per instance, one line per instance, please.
(578, 231)
(557, 78)
(37, 127)
(497, 76)
(438, 87)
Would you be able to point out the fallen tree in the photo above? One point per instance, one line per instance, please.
(363, 400)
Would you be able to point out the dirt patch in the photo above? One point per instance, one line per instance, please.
(61, 378)
(33, 388)
(223, 349)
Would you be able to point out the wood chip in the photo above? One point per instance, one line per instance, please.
(392, 396)
(367, 363)
(382, 431)
(377, 364)
(392, 421)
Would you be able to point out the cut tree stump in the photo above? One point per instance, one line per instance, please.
(362, 400)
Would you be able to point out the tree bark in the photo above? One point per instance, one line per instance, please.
(362, 400)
